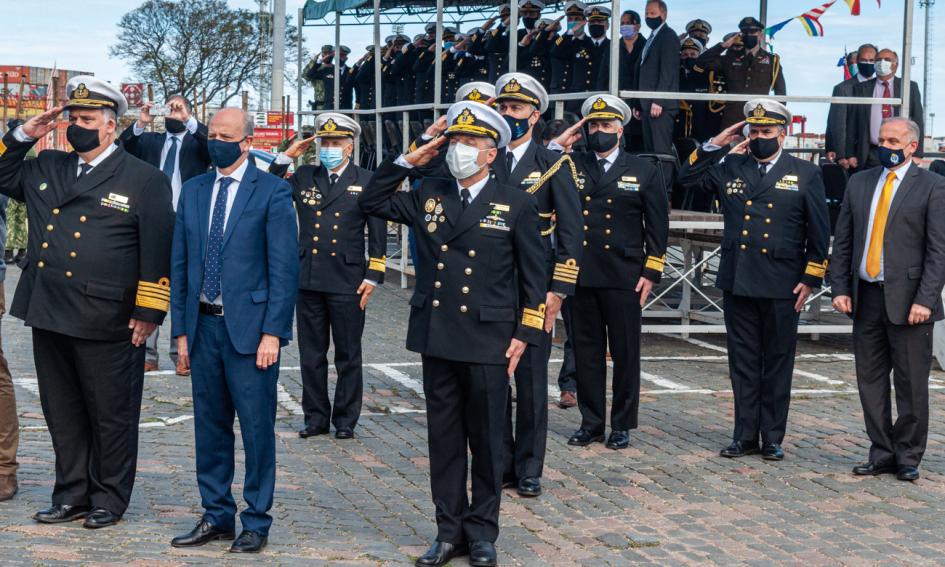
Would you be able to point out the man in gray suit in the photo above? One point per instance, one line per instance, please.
(894, 299)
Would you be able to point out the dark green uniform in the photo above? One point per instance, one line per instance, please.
(743, 73)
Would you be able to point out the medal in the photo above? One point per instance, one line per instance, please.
(439, 209)
(431, 227)
(429, 205)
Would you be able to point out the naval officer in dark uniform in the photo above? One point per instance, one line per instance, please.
(478, 302)
(774, 252)
(94, 287)
(626, 218)
(336, 277)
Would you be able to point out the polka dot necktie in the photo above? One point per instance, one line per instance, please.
(214, 266)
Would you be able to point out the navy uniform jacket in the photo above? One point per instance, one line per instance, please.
(364, 82)
(496, 46)
(583, 61)
(776, 229)
(331, 230)
(99, 248)
(484, 277)
(194, 159)
(626, 221)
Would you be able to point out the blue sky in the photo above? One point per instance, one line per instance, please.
(77, 36)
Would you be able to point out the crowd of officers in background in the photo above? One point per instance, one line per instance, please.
(566, 54)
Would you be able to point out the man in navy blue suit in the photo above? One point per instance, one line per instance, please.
(234, 278)
(181, 154)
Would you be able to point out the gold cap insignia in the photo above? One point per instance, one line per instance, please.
(466, 118)
(599, 104)
(759, 111)
(81, 91)
(330, 126)
(512, 87)
(475, 95)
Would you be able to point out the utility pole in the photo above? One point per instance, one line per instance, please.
(265, 55)
(278, 53)
(928, 74)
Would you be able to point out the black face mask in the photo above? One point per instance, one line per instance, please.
(689, 63)
(654, 23)
(750, 41)
(597, 31)
(174, 126)
(82, 139)
(601, 142)
(529, 23)
(866, 69)
(763, 148)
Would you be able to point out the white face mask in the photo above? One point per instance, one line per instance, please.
(883, 67)
(463, 160)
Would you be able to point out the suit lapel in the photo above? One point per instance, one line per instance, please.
(475, 211)
(243, 193)
(524, 166)
(499, 167)
(593, 170)
(339, 189)
(618, 167)
(99, 174)
(773, 176)
(203, 212)
(905, 186)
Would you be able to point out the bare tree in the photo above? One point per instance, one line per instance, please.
(194, 47)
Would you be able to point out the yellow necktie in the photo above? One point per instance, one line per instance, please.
(874, 255)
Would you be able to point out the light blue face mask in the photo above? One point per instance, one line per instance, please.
(331, 157)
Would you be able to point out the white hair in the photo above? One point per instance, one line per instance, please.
(911, 127)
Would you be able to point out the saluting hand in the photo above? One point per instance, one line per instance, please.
(422, 155)
(570, 136)
(514, 354)
(42, 124)
(437, 127)
(729, 134)
(140, 331)
(298, 147)
(740, 148)
(365, 290)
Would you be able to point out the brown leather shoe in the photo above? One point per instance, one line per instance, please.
(181, 371)
(150, 366)
(8, 487)
(568, 400)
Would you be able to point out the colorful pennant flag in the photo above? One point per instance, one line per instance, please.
(770, 31)
(811, 19)
(854, 7)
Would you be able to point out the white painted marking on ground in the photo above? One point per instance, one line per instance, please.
(818, 377)
(697, 342)
(400, 377)
(28, 384)
(662, 382)
(287, 401)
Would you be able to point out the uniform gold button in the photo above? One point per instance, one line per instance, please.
(318, 213)
(83, 218)
(747, 217)
(68, 274)
(439, 266)
(78, 235)
(609, 201)
(606, 246)
(765, 235)
(72, 254)
(767, 221)
(40, 264)
(586, 213)
(465, 289)
(333, 254)
(315, 238)
(45, 245)
(49, 227)
(317, 225)
(334, 241)
(770, 205)
(463, 308)
(764, 250)
(436, 303)
(743, 247)
(744, 233)
(748, 202)
(607, 231)
(314, 250)
(585, 243)
(337, 215)
(334, 227)
(468, 271)
(55, 211)
(585, 227)
(607, 216)
(444, 248)
(437, 285)
(588, 198)
(472, 253)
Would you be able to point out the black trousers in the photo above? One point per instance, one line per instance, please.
(91, 397)
(525, 449)
(465, 407)
(320, 315)
(566, 378)
(762, 337)
(906, 350)
(658, 132)
(602, 316)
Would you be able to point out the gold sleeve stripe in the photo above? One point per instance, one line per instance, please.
(654, 263)
(378, 264)
(3, 148)
(162, 288)
(567, 272)
(815, 269)
(151, 303)
(413, 146)
(534, 318)
(693, 156)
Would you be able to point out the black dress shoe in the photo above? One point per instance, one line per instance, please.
(482, 554)
(874, 469)
(440, 553)
(312, 432)
(582, 438)
(344, 433)
(202, 533)
(529, 487)
(60, 513)
(619, 439)
(907, 473)
(100, 518)
(249, 542)
(772, 452)
(739, 449)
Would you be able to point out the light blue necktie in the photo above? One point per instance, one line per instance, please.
(214, 264)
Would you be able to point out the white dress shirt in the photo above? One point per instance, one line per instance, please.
(109, 149)
(474, 189)
(517, 153)
(176, 182)
(876, 110)
(877, 193)
(237, 177)
(608, 160)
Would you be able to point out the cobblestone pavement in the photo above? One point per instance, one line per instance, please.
(667, 500)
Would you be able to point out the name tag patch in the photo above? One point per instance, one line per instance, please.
(496, 220)
(787, 183)
(116, 201)
(354, 189)
(628, 183)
